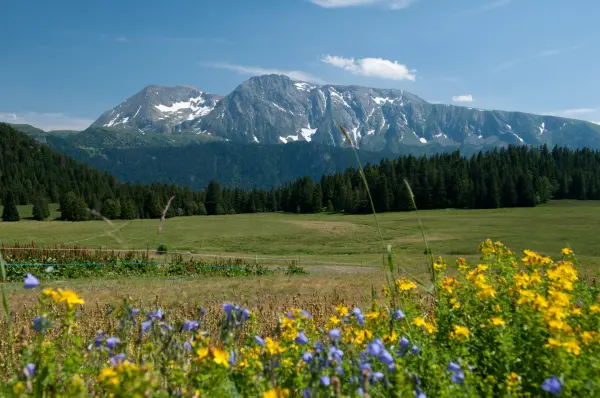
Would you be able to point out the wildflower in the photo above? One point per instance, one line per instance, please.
(404, 285)
(587, 337)
(594, 308)
(335, 334)
(460, 332)
(415, 350)
(190, 325)
(439, 265)
(220, 357)
(259, 341)
(375, 348)
(29, 370)
(572, 347)
(448, 284)
(245, 314)
(305, 314)
(273, 347)
(386, 358)
(301, 338)
(404, 343)
(99, 338)
(342, 310)
(146, 325)
(399, 314)
(157, 315)
(356, 311)
(307, 357)
(390, 338)
(458, 376)
(325, 381)
(552, 342)
(566, 252)
(277, 393)
(497, 321)
(461, 263)
(70, 298)
(552, 385)
(31, 282)
(232, 358)
(117, 359)
(112, 342)
(19, 388)
(40, 324)
(377, 376)
(53, 294)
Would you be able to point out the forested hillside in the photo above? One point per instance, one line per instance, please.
(518, 176)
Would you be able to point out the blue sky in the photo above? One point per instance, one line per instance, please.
(65, 62)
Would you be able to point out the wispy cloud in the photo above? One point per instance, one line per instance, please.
(258, 70)
(47, 121)
(463, 98)
(577, 111)
(372, 67)
(552, 52)
(391, 4)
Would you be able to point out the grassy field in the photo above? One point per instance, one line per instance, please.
(342, 253)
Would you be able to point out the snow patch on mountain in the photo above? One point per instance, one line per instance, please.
(308, 132)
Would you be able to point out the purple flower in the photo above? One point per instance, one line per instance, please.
(361, 319)
(415, 350)
(156, 315)
(458, 377)
(29, 370)
(306, 393)
(399, 314)
(356, 311)
(31, 281)
(228, 307)
(552, 385)
(454, 367)
(374, 348)
(339, 371)
(306, 314)
(246, 314)
(99, 338)
(417, 380)
(404, 343)
(188, 346)
(386, 357)
(289, 315)
(146, 325)
(40, 324)
(190, 325)
(301, 339)
(419, 393)
(231, 358)
(377, 376)
(307, 357)
(336, 354)
(335, 334)
(325, 381)
(364, 366)
(259, 340)
(360, 391)
(115, 360)
(202, 311)
(318, 347)
(135, 311)
(112, 342)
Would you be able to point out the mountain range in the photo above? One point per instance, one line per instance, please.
(274, 109)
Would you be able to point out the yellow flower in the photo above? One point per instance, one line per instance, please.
(552, 342)
(19, 388)
(277, 393)
(461, 263)
(419, 321)
(70, 297)
(334, 320)
(558, 298)
(527, 296)
(532, 259)
(390, 338)
(288, 323)
(439, 265)
(449, 283)
(497, 321)
(588, 337)
(202, 353)
(362, 336)
(404, 285)
(273, 347)
(566, 252)
(372, 315)
(455, 303)
(460, 332)
(53, 294)
(487, 291)
(572, 347)
(594, 308)
(540, 302)
(106, 373)
(342, 310)
(220, 357)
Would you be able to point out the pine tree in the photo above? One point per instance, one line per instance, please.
(214, 199)
(10, 212)
(111, 209)
(40, 209)
(330, 208)
(201, 209)
(128, 210)
(152, 205)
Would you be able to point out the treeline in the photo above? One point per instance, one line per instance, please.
(31, 173)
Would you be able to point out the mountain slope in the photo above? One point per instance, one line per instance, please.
(275, 109)
(158, 109)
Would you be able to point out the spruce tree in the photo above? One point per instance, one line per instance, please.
(201, 209)
(128, 210)
(10, 212)
(214, 199)
(330, 208)
(40, 209)
(111, 209)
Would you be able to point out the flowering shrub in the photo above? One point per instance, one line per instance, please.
(508, 326)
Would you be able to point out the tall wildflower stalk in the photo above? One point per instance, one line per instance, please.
(389, 247)
(5, 306)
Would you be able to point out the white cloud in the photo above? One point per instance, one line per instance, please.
(391, 4)
(462, 98)
(372, 67)
(577, 111)
(598, 123)
(257, 70)
(47, 121)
